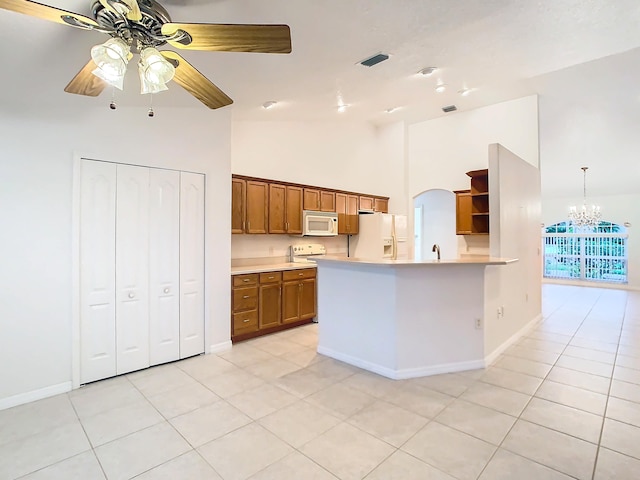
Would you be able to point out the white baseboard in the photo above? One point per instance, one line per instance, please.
(493, 356)
(33, 395)
(404, 373)
(220, 347)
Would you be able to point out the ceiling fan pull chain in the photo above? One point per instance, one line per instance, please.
(151, 112)
(113, 105)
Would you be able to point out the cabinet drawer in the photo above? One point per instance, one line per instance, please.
(245, 322)
(270, 277)
(245, 280)
(289, 275)
(245, 299)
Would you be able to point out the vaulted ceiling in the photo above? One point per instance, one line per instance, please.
(575, 51)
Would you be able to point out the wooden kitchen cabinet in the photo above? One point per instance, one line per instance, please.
(463, 212)
(257, 198)
(381, 205)
(244, 307)
(311, 199)
(327, 201)
(347, 210)
(365, 203)
(319, 200)
(298, 295)
(238, 204)
(285, 209)
(271, 301)
(479, 193)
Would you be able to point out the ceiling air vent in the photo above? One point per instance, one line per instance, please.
(449, 108)
(376, 59)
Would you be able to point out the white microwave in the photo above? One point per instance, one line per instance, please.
(319, 224)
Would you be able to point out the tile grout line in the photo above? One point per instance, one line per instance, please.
(533, 396)
(606, 407)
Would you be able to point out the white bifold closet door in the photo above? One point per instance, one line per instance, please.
(97, 225)
(164, 266)
(132, 269)
(141, 267)
(191, 264)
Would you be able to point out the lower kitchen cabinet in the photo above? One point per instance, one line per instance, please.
(298, 295)
(272, 301)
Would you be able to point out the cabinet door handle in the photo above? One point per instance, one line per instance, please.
(246, 280)
(271, 278)
(287, 226)
(166, 290)
(246, 296)
(246, 320)
(300, 274)
(131, 294)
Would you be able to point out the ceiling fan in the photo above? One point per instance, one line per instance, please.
(140, 26)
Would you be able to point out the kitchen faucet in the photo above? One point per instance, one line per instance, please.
(436, 248)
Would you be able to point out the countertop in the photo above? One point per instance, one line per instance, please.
(274, 267)
(467, 260)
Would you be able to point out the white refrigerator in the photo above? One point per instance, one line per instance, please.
(381, 236)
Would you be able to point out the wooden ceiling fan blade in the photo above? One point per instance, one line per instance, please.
(232, 38)
(195, 83)
(46, 12)
(128, 8)
(86, 83)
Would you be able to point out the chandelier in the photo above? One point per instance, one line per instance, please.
(587, 216)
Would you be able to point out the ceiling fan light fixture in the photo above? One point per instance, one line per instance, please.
(269, 105)
(111, 60)
(441, 88)
(157, 69)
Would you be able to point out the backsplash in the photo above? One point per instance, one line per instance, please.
(275, 248)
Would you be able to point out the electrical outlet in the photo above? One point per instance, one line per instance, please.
(478, 323)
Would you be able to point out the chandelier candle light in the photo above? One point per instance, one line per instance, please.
(587, 216)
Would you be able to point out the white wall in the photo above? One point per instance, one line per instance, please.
(438, 224)
(615, 208)
(515, 289)
(441, 151)
(350, 156)
(38, 148)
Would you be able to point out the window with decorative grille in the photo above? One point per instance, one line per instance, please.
(597, 254)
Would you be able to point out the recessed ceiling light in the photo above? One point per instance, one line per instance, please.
(441, 88)
(343, 108)
(428, 71)
(392, 109)
(270, 104)
(464, 92)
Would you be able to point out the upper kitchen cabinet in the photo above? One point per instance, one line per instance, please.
(347, 209)
(365, 203)
(285, 209)
(257, 194)
(319, 200)
(238, 204)
(381, 205)
(327, 201)
(311, 199)
(463, 212)
(479, 201)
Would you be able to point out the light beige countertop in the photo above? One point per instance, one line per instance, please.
(466, 260)
(273, 267)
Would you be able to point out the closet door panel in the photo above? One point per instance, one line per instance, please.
(97, 270)
(192, 198)
(132, 268)
(164, 266)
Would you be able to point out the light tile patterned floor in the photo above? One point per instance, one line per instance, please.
(563, 402)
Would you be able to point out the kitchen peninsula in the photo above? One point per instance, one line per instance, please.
(404, 318)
